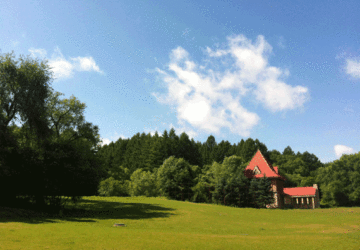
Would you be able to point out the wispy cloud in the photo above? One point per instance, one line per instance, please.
(281, 42)
(65, 68)
(210, 99)
(38, 52)
(353, 67)
(341, 149)
(15, 43)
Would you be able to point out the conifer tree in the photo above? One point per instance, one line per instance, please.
(260, 192)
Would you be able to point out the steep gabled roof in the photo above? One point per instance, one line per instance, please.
(300, 191)
(263, 165)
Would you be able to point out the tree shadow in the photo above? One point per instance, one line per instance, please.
(87, 211)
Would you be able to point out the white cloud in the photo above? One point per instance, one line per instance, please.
(105, 141)
(63, 68)
(341, 149)
(210, 99)
(38, 52)
(353, 67)
(86, 64)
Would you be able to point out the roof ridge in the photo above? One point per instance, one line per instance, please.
(267, 162)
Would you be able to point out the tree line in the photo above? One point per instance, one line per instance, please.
(49, 152)
(135, 162)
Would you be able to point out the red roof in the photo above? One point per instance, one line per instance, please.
(264, 167)
(300, 191)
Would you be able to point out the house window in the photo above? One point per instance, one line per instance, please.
(256, 170)
(307, 199)
(297, 200)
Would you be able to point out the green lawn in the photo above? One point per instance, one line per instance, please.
(155, 223)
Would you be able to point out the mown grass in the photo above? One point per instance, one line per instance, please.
(155, 223)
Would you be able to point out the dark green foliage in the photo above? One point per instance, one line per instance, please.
(143, 183)
(157, 154)
(202, 192)
(207, 150)
(205, 185)
(133, 158)
(53, 152)
(24, 88)
(222, 150)
(233, 192)
(173, 142)
(112, 187)
(231, 185)
(340, 181)
(260, 192)
(175, 179)
(249, 149)
(288, 151)
(188, 150)
(301, 169)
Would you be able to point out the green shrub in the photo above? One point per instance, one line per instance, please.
(112, 187)
(143, 184)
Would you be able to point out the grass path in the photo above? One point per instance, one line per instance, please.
(155, 223)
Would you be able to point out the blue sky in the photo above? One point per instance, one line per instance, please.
(287, 73)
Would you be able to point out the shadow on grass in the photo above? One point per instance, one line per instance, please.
(87, 211)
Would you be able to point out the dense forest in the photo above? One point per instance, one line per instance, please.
(49, 154)
(133, 165)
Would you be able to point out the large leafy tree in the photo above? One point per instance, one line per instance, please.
(51, 150)
(339, 181)
(175, 178)
(232, 192)
(143, 183)
(67, 164)
(224, 183)
(231, 185)
(24, 90)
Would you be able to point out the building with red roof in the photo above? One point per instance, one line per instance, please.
(298, 197)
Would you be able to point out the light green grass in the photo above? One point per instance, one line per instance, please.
(155, 223)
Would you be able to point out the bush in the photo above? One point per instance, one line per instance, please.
(112, 187)
(202, 192)
(143, 184)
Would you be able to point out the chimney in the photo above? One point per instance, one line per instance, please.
(315, 186)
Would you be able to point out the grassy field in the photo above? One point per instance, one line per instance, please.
(155, 223)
